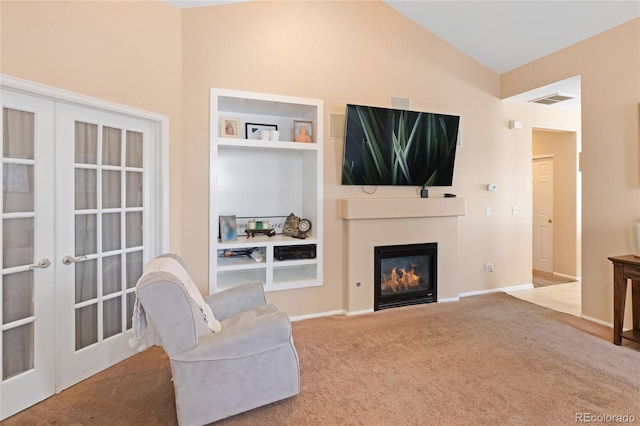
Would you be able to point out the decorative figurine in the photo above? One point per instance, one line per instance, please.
(296, 227)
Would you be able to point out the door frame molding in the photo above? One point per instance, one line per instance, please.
(161, 122)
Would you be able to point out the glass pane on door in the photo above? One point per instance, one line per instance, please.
(18, 134)
(17, 296)
(17, 350)
(17, 242)
(18, 188)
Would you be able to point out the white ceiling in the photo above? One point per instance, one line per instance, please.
(503, 35)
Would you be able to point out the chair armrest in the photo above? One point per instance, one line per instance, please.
(248, 338)
(235, 300)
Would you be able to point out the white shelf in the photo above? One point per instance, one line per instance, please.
(237, 263)
(260, 144)
(256, 178)
(294, 262)
(265, 241)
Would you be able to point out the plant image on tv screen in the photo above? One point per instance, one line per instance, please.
(396, 147)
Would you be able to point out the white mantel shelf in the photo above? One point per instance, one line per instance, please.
(399, 208)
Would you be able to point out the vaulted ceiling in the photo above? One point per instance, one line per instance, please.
(504, 35)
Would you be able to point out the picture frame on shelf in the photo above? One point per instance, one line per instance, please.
(303, 131)
(228, 228)
(229, 127)
(253, 130)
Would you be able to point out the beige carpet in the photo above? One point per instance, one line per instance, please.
(486, 360)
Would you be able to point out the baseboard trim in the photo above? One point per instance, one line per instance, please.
(354, 313)
(317, 315)
(491, 290)
(497, 290)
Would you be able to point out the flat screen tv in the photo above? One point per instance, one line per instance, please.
(384, 146)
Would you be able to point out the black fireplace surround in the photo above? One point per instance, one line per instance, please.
(405, 275)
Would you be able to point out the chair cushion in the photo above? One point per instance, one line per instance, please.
(248, 315)
(173, 267)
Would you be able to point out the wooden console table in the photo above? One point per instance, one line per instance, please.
(625, 268)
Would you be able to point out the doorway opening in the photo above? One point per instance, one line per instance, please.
(556, 207)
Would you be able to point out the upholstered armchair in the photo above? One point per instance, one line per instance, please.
(229, 352)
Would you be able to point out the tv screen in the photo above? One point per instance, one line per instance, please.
(385, 146)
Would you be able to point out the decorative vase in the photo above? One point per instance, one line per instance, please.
(635, 238)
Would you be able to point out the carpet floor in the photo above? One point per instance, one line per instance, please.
(485, 360)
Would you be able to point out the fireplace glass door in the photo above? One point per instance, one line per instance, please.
(405, 275)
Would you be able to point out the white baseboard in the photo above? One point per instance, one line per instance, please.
(449, 300)
(318, 315)
(366, 311)
(498, 290)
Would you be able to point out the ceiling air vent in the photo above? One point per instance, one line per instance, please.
(552, 99)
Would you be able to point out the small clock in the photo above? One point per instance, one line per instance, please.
(304, 225)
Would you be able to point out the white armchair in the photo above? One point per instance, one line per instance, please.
(250, 362)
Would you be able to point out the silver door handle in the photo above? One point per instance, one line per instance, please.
(68, 260)
(44, 263)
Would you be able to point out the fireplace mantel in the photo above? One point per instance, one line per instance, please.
(399, 208)
(373, 222)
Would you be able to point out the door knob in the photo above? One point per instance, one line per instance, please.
(550, 221)
(68, 260)
(44, 263)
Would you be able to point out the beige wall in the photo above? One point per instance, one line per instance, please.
(151, 56)
(609, 65)
(566, 233)
(124, 52)
(342, 55)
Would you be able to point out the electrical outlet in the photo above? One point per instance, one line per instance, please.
(487, 211)
(488, 267)
(515, 210)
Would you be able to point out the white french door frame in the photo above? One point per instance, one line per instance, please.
(159, 173)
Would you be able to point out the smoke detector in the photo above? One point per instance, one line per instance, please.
(553, 99)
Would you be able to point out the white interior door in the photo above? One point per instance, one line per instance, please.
(27, 280)
(102, 204)
(82, 214)
(543, 214)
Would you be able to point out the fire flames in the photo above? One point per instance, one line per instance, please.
(400, 279)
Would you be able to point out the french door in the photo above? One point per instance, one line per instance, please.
(77, 227)
(28, 276)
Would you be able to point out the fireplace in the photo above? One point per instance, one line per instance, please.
(405, 275)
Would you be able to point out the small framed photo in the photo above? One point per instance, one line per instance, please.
(228, 228)
(303, 131)
(254, 130)
(229, 127)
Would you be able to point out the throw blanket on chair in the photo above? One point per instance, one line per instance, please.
(174, 267)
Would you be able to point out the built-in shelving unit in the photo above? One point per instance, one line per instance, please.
(252, 178)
